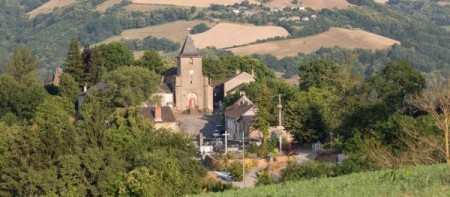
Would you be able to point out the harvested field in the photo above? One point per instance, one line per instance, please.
(107, 4)
(143, 7)
(381, 1)
(314, 4)
(197, 3)
(345, 38)
(231, 34)
(49, 6)
(444, 2)
(175, 31)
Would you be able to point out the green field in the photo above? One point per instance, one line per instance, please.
(447, 27)
(414, 181)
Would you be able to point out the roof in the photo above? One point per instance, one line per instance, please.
(239, 108)
(99, 86)
(170, 72)
(215, 83)
(166, 114)
(188, 49)
(237, 75)
(165, 88)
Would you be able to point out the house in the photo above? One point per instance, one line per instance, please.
(99, 86)
(239, 118)
(236, 81)
(162, 117)
(166, 93)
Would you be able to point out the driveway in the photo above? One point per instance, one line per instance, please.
(193, 124)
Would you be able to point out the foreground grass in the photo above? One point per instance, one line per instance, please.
(413, 181)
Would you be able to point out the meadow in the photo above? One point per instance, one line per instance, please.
(411, 181)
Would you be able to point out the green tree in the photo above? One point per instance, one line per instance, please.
(8, 92)
(152, 61)
(116, 55)
(68, 88)
(74, 64)
(319, 74)
(22, 66)
(131, 85)
(95, 67)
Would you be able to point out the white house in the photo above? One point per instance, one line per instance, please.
(165, 92)
(236, 81)
(239, 118)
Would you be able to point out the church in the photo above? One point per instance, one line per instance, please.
(184, 87)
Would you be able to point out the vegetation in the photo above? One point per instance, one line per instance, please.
(411, 181)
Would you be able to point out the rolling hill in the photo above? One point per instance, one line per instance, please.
(345, 38)
(49, 6)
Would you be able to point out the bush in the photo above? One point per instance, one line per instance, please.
(309, 170)
(235, 171)
(264, 178)
(200, 28)
(213, 185)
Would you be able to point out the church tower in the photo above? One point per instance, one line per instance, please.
(192, 89)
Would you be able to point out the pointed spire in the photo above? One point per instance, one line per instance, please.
(188, 48)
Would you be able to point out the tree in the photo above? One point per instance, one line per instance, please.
(152, 61)
(95, 67)
(319, 74)
(74, 64)
(8, 92)
(131, 85)
(68, 88)
(116, 55)
(22, 65)
(435, 100)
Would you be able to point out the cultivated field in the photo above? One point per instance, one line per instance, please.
(198, 3)
(175, 31)
(345, 38)
(107, 4)
(143, 7)
(444, 2)
(49, 6)
(225, 35)
(381, 1)
(314, 4)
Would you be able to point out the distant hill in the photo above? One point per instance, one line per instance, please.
(197, 3)
(410, 181)
(49, 6)
(345, 38)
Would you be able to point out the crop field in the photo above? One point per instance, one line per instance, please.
(197, 3)
(231, 34)
(175, 31)
(314, 4)
(411, 181)
(443, 2)
(381, 1)
(49, 6)
(107, 4)
(345, 38)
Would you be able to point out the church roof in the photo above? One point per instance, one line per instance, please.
(188, 49)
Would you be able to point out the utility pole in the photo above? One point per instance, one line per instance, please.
(243, 158)
(279, 106)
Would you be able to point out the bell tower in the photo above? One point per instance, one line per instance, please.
(192, 89)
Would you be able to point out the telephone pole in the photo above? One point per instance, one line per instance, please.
(279, 106)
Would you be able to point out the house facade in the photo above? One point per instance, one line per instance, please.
(239, 118)
(236, 81)
(161, 117)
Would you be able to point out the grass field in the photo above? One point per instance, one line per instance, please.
(314, 4)
(49, 6)
(175, 31)
(447, 27)
(412, 181)
(197, 3)
(231, 34)
(345, 38)
(107, 4)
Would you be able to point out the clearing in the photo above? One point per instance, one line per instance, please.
(345, 38)
(198, 3)
(49, 6)
(314, 4)
(231, 34)
(444, 2)
(107, 4)
(175, 31)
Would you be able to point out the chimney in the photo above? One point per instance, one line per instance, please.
(158, 116)
(85, 87)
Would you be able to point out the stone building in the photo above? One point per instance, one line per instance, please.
(192, 90)
(239, 118)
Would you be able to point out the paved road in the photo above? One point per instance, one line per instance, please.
(194, 124)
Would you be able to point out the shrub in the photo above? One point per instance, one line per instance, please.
(235, 171)
(309, 170)
(213, 185)
(264, 178)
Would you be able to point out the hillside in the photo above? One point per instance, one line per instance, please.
(230, 34)
(197, 3)
(49, 6)
(345, 38)
(414, 181)
(314, 4)
(174, 31)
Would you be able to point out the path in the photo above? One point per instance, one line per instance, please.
(250, 178)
